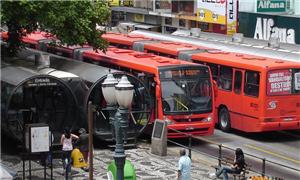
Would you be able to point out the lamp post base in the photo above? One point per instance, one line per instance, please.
(120, 162)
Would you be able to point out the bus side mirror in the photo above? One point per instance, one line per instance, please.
(215, 88)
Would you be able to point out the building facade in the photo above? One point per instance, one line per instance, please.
(259, 19)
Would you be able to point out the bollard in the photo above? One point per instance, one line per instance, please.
(220, 154)
(263, 172)
(190, 146)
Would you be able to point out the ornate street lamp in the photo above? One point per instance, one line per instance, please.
(108, 90)
(123, 94)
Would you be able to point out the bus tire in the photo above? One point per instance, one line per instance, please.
(224, 120)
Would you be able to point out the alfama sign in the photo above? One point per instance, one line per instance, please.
(264, 26)
(271, 5)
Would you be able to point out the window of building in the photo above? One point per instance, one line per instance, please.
(182, 22)
(186, 7)
(252, 79)
(193, 24)
(170, 30)
(238, 82)
(203, 26)
(168, 21)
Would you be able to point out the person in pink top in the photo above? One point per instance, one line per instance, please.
(66, 141)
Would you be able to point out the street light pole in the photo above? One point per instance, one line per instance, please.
(119, 155)
(123, 94)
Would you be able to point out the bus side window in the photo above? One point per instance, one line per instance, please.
(225, 81)
(123, 46)
(252, 83)
(238, 82)
(214, 71)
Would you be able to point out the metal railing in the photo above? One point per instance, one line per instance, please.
(220, 158)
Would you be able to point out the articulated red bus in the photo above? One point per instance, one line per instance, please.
(255, 93)
(182, 92)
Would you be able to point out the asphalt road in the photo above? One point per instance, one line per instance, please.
(281, 147)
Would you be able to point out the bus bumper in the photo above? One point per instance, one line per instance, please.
(277, 126)
(183, 130)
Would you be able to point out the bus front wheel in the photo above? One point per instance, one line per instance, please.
(224, 120)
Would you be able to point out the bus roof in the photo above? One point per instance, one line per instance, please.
(283, 54)
(36, 36)
(172, 48)
(243, 60)
(135, 60)
(126, 39)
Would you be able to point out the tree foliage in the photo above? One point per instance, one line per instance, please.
(73, 22)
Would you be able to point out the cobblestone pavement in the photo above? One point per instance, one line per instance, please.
(147, 165)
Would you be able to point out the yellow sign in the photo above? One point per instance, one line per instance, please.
(258, 178)
(139, 18)
(114, 2)
(212, 11)
(208, 16)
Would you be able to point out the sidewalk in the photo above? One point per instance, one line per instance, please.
(147, 165)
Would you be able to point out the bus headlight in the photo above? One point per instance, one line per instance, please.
(208, 119)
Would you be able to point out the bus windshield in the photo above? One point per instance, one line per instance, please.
(283, 82)
(186, 90)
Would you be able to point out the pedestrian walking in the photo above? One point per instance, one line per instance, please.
(184, 166)
(84, 143)
(238, 165)
(67, 147)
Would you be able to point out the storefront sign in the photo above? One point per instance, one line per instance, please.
(279, 82)
(231, 16)
(271, 5)
(261, 26)
(211, 11)
(265, 28)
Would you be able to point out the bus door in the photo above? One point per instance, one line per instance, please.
(237, 100)
(251, 101)
(224, 99)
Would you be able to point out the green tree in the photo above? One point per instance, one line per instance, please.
(73, 22)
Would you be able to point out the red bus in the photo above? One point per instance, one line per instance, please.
(255, 93)
(163, 48)
(182, 92)
(268, 109)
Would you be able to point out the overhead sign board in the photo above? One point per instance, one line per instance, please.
(271, 5)
(211, 11)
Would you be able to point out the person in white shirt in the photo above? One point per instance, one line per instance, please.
(184, 166)
(67, 147)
